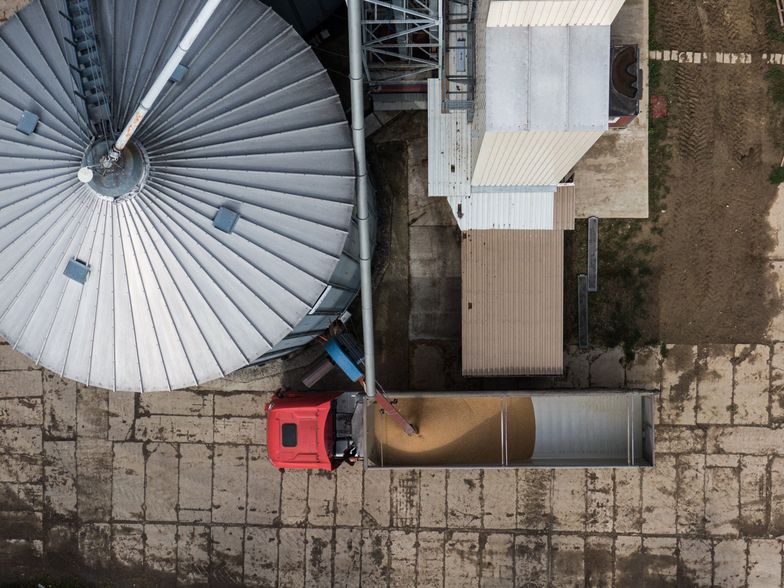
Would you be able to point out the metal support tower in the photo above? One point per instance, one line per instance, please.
(402, 44)
(405, 42)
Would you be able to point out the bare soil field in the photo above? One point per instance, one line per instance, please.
(716, 25)
(711, 259)
(698, 269)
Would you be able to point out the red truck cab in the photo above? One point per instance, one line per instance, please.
(313, 430)
(301, 431)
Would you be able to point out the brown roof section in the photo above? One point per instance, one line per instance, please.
(564, 208)
(512, 302)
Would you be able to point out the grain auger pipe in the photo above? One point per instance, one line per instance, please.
(363, 208)
(160, 82)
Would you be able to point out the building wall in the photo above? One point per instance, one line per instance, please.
(538, 158)
(521, 13)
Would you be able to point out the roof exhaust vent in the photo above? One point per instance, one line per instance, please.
(27, 123)
(225, 220)
(179, 73)
(77, 271)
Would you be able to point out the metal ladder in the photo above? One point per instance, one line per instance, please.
(458, 70)
(87, 66)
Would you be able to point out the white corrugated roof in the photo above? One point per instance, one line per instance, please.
(513, 159)
(504, 210)
(448, 147)
(547, 78)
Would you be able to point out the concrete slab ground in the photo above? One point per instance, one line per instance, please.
(611, 180)
(176, 489)
(776, 257)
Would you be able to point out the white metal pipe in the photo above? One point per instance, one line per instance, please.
(363, 212)
(160, 82)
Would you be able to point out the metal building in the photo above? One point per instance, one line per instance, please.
(546, 102)
(512, 302)
(228, 234)
(542, 100)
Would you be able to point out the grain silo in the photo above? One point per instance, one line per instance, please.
(226, 233)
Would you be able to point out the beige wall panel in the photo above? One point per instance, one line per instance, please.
(530, 158)
(523, 13)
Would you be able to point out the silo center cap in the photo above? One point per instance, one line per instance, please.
(114, 180)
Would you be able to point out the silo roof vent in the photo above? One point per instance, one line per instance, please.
(77, 271)
(27, 123)
(225, 220)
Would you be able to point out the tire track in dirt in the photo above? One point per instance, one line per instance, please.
(692, 128)
(715, 282)
(718, 25)
(735, 25)
(724, 17)
(678, 24)
(695, 150)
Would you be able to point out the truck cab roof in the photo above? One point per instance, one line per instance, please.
(300, 431)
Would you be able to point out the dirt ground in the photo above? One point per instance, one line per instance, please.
(716, 25)
(698, 270)
(715, 282)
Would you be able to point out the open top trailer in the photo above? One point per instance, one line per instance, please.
(464, 429)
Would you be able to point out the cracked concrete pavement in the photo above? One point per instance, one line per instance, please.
(176, 488)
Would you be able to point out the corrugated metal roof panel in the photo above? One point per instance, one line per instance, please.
(448, 147)
(565, 206)
(521, 13)
(170, 301)
(504, 210)
(512, 303)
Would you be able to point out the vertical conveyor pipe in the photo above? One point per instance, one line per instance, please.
(363, 212)
(160, 82)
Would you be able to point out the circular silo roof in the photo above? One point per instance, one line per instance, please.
(228, 217)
